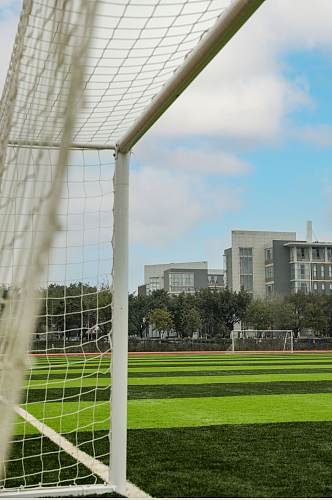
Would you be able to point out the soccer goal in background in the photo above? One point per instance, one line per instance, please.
(87, 79)
(262, 340)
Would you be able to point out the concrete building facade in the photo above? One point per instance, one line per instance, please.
(274, 264)
(180, 277)
(245, 260)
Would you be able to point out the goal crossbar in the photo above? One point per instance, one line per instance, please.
(57, 145)
(212, 42)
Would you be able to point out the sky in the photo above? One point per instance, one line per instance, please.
(247, 146)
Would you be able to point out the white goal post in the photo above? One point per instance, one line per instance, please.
(262, 340)
(87, 79)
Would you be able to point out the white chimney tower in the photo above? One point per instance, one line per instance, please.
(309, 231)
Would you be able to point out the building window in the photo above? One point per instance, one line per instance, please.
(269, 291)
(301, 271)
(268, 255)
(323, 287)
(329, 254)
(322, 272)
(314, 271)
(181, 282)
(330, 271)
(315, 287)
(299, 286)
(269, 273)
(301, 253)
(318, 253)
(246, 269)
(154, 284)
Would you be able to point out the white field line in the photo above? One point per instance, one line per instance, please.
(95, 466)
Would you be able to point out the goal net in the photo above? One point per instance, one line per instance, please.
(262, 340)
(87, 79)
(55, 245)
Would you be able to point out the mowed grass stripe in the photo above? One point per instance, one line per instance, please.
(179, 365)
(178, 391)
(224, 361)
(87, 381)
(137, 372)
(184, 412)
(184, 357)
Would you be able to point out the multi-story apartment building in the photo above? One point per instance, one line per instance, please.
(180, 277)
(245, 260)
(270, 264)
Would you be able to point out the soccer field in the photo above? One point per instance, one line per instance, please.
(199, 424)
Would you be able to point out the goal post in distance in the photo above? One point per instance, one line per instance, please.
(262, 340)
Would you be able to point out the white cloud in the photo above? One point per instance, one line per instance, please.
(319, 135)
(165, 206)
(199, 160)
(245, 94)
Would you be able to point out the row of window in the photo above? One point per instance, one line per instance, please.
(311, 271)
(319, 287)
(246, 269)
(311, 253)
(181, 282)
(154, 284)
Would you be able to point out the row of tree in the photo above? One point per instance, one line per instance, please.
(79, 310)
(214, 313)
(83, 310)
(208, 312)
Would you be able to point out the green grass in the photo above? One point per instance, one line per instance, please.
(186, 412)
(199, 425)
(267, 460)
(88, 381)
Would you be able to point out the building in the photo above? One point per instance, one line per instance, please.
(273, 264)
(245, 260)
(179, 277)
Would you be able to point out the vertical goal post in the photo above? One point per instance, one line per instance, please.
(43, 125)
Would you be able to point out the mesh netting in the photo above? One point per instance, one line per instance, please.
(137, 46)
(30, 191)
(79, 76)
(68, 386)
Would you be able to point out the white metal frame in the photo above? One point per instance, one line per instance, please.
(213, 41)
(120, 323)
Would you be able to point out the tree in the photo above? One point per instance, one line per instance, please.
(192, 321)
(299, 302)
(315, 317)
(221, 309)
(139, 308)
(161, 319)
(284, 315)
(159, 299)
(259, 315)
